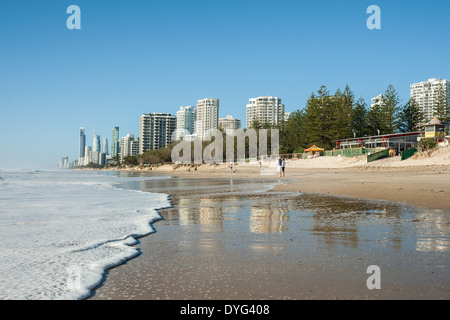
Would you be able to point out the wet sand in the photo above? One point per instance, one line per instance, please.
(222, 239)
(425, 187)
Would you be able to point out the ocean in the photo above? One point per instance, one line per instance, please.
(60, 230)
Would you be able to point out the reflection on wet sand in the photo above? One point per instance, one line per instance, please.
(236, 239)
(247, 205)
(268, 220)
(433, 232)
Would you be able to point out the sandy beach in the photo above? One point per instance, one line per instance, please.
(309, 235)
(423, 180)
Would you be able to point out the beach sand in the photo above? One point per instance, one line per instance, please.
(423, 180)
(220, 241)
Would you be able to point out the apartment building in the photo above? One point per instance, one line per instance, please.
(264, 110)
(229, 123)
(156, 131)
(207, 116)
(425, 94)
(186, 118)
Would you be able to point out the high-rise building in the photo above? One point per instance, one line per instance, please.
(87, 155)
(229, 123)
(115, 142)
(105, 146)
(82, 144)
(63, 163)
(264, 110)
(129, 146)
(96, 148)
(207, 116)
(96, 144)
(156, 131)
(425, 94)
(186, 118)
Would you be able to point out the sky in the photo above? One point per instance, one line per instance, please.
(138, 56)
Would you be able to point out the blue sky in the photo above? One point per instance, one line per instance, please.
(133, 57)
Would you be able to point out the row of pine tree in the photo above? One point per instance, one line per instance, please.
(327, 118)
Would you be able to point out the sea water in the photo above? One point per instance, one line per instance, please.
(60, 230)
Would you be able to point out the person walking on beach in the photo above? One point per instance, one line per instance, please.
(280, 162)
(283, 165)
(231, 167)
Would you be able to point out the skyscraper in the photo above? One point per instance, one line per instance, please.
(115, 142)
(207, 116)
(105, 146)
(425, 95)
(156, 131)
(96, 144)
(82, 144)
(96, 148)
(186, 118)
(129, 146)
(264, 110)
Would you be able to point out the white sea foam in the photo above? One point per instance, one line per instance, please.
(60, 230)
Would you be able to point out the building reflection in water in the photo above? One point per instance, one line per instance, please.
(266, 219)
(328, 222)
(433, 232)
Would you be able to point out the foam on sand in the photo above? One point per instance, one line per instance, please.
(61, 230)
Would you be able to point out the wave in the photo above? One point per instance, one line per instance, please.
(64, 229)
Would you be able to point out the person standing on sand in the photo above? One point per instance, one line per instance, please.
(279, 166)
(283, 165)
(231, 167)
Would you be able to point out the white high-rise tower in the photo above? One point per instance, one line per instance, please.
(425, 93)
(264, 110)
(207, 116)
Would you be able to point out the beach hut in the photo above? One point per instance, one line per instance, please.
(313, 149)
(435, 129)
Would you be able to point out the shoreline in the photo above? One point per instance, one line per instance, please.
(423, 180)
(215, 245)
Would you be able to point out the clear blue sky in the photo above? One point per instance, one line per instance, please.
(133, 57)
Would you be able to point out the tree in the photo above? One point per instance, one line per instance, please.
(292, 133)
(329, 117)
(410, 117)
(344, 114)
(360, 126)
(441, 108)
(255, 124)
(130, 160)
(375, 121)
(390, 109)
(318, 118)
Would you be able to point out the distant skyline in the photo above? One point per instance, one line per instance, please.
(136, 57)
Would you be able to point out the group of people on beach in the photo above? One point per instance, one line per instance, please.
(280, 170)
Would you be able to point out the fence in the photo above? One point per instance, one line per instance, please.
(378, 155)
(408, 153)
(350, 152)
